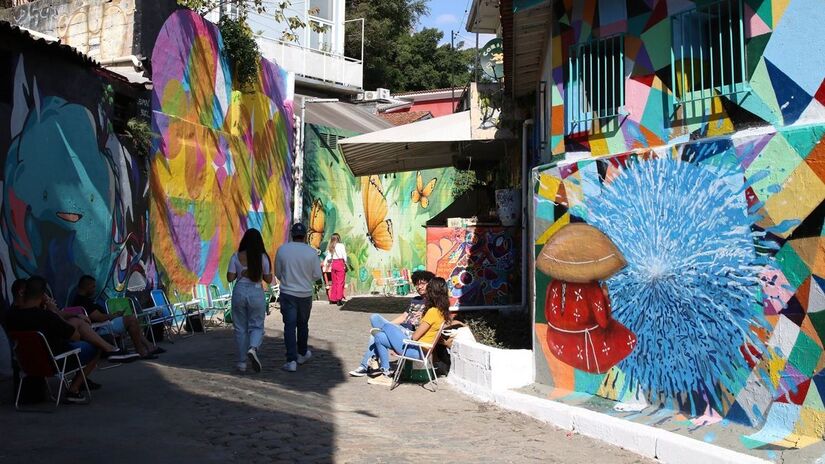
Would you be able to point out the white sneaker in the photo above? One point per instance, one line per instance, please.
(305, 358)
(240, 368)
(374, 331)
(252, 355)
(290, 366)
(380, 380)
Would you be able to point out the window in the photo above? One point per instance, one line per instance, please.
(595, 83)
(707, 57)
(330, 140)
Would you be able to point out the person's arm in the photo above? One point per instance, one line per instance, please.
(423, 327)
(343, 253)
(279, 267)
(232, 271)
(316, 271)
(399, 319)
(56, 325)
(267, 269)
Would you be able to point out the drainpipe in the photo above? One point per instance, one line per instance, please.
(133, 59)
(525, 209)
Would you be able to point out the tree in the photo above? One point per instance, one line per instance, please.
(398, 58)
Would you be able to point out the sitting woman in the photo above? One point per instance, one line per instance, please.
(391, 336)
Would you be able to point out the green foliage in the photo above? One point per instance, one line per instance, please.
(509, 331)
(463, 182)
(241, 50)
(398, 58)
(141, 134)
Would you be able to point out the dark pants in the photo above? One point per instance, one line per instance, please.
(295, 311)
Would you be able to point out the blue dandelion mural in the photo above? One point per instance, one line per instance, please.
(691, 288)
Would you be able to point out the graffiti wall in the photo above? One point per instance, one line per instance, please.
(780, 89)
(690, 276)
(678, 252)
(480, 264)
(73, 191)
(380, 218)
(99, 28)
(222, 162)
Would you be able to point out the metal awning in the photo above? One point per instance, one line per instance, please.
(427, 144)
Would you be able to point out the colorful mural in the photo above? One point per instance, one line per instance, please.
(479, 263)
(719, 218)
(223, 158)
(380, 218)
(73, 194)
(782, 89)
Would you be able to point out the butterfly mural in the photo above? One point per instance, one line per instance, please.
(379, 228)
(317, 220)
(421, 194)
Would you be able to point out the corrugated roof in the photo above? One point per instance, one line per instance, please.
(399, 119)
(11, 34)
(342, 116)
(421, 92)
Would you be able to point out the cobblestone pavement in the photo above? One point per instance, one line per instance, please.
(188, 406)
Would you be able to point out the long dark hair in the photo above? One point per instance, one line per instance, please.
(437, 296)
(253, 244)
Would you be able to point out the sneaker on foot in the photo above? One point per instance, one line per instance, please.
(382, 379)
(304, 358)
(372, 364)
(360, 371)
(252, 355)
(290, 366)
(75, 398)
(240, 368)
(122, 357)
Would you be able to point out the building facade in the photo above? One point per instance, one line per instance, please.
(687, 138)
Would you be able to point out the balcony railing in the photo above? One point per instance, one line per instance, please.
(317, 64)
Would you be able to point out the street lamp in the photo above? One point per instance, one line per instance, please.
(298, 168)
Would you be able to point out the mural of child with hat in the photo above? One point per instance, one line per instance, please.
(580, 329)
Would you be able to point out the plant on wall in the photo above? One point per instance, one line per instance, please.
(141, 134)
(241, 50)
(463, 182)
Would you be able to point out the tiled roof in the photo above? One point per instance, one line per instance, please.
(399, 119)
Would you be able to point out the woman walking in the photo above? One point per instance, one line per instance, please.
(336, 260)
(251, 266)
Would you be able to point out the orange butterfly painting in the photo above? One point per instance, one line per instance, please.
(317, 220)
(379, 228)
(421, 194)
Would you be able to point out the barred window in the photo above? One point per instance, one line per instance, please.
(707, 57)
(595, 83)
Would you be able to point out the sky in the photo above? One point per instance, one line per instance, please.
(449, 15)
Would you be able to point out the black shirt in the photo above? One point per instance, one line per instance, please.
(88, 304)
(58, 333)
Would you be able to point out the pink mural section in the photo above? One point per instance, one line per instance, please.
(479, 263)
(222, 157)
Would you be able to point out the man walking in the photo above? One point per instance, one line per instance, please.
(297, 267)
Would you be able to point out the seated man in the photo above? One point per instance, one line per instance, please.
(5, 346)
(407, 321)
(39, 313)
(86, 289)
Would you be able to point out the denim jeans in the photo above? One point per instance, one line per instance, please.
(392, 337)
(295, 310)
(376, 321)
(248, 314)
(5, 355)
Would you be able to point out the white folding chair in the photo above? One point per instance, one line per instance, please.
(425, 350)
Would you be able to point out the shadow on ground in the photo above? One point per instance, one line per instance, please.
(377, 304)
(187, 406)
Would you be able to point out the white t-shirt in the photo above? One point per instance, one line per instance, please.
(339, 252)
(237, 268)
(297, 268)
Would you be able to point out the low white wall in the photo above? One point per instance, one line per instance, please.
(489, 369)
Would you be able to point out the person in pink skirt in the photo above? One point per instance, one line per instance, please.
(336, 261)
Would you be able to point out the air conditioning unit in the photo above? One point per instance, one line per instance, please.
(383, 94)
(370, 95)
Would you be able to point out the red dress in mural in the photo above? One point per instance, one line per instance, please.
(580, 329)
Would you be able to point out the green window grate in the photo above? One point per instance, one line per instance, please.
(595, 83)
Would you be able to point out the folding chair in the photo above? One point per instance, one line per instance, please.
(379, 281)
(426, 351)
(192, 307)
(221, 302)
(175, 312)
(129, 307)
(36, 359)
(210, 306)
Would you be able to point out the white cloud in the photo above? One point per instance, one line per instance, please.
(470, 39)
(446, 18)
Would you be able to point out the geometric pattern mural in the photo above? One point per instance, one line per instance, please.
(719, 219)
